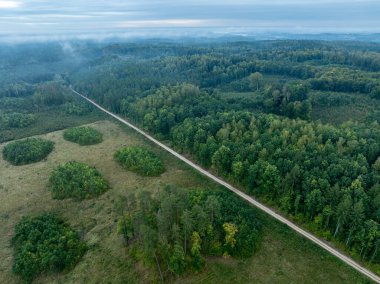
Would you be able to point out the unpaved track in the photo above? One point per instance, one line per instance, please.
(264, 208)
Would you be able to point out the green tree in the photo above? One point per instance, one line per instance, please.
(343, 213)
(177, 262)
(230, 241)
(314, 203)
(187, 224)
(213, 207)
(271, 181)
(196, 242)
(221, 160)
(255, 80)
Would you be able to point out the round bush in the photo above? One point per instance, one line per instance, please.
(27, 151)
(76, 180)
(83, 135)
(45, 243)
(140, 160)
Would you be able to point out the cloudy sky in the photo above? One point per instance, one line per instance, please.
(30, 17)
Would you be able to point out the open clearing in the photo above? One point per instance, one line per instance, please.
(283, 257)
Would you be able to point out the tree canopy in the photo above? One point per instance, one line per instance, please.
(76, 180)
(27, 151)
(140, 160)
(83, 135)
(45, 243)
(178, 228)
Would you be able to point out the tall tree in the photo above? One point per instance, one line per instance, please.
(255, 80)
(187, 224)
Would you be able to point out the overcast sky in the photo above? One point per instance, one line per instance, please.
(29, 17)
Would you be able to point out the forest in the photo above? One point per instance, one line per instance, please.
(253, 113)
(295, 124)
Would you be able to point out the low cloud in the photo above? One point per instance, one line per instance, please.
(53, 17)
(166, 23)
(9, 4)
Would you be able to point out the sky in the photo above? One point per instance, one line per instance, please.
(65, 17)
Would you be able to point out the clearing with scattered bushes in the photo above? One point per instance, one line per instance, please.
(281, 256)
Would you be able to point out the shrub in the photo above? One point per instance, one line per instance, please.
(45, 243)
(27, 151)
(140, 160)
(83, 135)
(16, 120)
(77, 108)
(76, 180)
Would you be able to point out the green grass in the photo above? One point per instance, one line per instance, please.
(283, 257)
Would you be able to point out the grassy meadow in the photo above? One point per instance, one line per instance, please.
(283, 257)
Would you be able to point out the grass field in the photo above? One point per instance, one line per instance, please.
(283, 256)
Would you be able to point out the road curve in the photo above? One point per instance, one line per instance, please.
(248, 198)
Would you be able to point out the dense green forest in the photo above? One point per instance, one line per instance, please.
(293, 123)
(255, 114)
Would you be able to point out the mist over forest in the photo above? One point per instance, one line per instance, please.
(289, 118)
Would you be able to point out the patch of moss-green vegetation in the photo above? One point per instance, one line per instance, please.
(27, 151)
(76, 180)
(83, 135)
(140, 160)
(45, 243)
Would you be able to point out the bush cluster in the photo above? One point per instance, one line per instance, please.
(76, 180)
(140, 160)
(76, 108)
(27, 151)
(45, 243)
(83, 135)
(16, 120)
